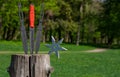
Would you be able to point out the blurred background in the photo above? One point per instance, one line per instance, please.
(77, 21)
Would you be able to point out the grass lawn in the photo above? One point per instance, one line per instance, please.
(105, 64)
(16, 46)
(73, 63)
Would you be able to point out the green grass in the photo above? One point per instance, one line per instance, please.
(70, 64)
(4, 64)
(16, 46)
(105, 64)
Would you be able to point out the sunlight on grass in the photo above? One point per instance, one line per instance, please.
(72, 63)
(16, 46)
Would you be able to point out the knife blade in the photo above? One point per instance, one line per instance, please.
(23, 30)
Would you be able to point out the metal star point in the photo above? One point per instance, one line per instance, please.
(55, 47)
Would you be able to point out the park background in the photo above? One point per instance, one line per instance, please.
(84, 25)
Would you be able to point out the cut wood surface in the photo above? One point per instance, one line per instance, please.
(37, 65)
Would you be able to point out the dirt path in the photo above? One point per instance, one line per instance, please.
(96, 50)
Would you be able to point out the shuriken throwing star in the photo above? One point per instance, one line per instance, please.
(55, 47)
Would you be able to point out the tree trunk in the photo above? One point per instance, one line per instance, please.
(78, 36)
(16, 36)
(83, 20)
(59, 33)
(71, 37)
(4, 32)
(50, 34)
(30, 66)
(13, 33)
(43, 37)
(67, 37)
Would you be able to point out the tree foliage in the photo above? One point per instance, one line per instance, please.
(92, 21)
(109, 26)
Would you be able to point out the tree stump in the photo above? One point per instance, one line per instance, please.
(37, 65)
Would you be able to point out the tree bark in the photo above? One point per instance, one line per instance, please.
(78, 36)
(83, 20)
(30, 66)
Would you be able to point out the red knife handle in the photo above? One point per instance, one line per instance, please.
(32, 15)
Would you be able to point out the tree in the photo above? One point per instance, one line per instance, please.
(9, 19)
(109, 26)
